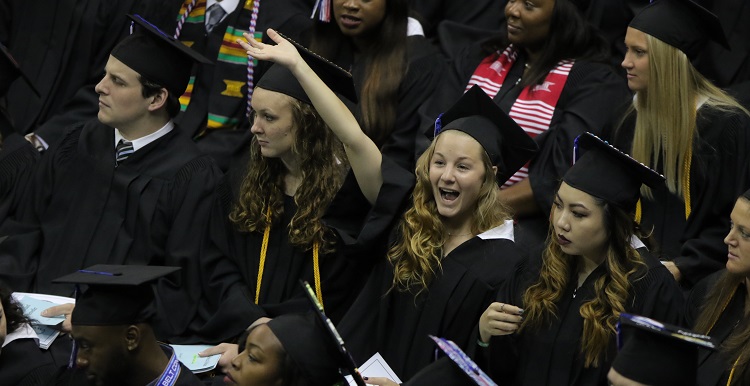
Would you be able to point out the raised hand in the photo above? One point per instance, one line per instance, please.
(283, 52)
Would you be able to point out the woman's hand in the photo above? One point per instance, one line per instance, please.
(379, 381)
(228, 352)
(62, 309)
(284, 52)
(499, 319)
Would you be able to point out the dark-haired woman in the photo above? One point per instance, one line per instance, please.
(395, 68)
(547, 69)
(290, 350)
(719, 305)
(22, 361)
(562, 329)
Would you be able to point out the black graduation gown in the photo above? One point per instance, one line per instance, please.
(719, 173)
(723, 66)
(62, 45)
(397, 324)
(17, 160)
(714, 366)
(360, 232)
(23, 363)
(425, 69)
(551, 355)
(586, 104)
(82, 210)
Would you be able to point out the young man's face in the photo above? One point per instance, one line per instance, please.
(102, 353)
(121, 102)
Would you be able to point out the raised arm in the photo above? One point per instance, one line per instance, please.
(364, 156)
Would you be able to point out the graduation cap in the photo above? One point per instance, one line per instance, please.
(658, 354)
(10, 71)
(506, 143)
(322, 340)
(278, 78)
(682, 24)
(157, 56)
(603, 171)
(116, 294)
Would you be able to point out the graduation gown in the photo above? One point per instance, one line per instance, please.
(82, 210)
(62, 45)
(17, 159)
(714, 366)
(585, 104)
(719, 173)
(361, 232)
(23, 363)
(552, 355)
(397, 324)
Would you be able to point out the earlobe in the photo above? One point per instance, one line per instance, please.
(158, 100)
(133, 337)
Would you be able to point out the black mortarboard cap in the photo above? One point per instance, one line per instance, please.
(10, 71)
(307, 344)
(157, 56)
(603, 171)
(682, 24)
(658, 354)
(278, 78)
(506, 143)
(116, 294)
(746, 194)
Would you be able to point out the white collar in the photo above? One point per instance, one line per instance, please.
(145, 140)
(228, 5)
(636, 243)
(414, 27)
(504, 231)
(23, 332)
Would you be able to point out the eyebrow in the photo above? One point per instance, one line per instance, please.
(572, 205)
(462, 158)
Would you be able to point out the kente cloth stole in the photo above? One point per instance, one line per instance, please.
(232, 83)
(535, 105)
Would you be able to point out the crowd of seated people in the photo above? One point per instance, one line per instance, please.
(519, 177)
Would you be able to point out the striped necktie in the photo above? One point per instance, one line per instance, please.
(123, 150)
(215, 14)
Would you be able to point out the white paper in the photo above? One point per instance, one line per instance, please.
(188, 355)
(376, 366)
(33, 304)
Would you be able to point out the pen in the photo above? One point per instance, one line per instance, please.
(99, 272)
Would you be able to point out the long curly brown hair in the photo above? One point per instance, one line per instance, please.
(623, 263)
(417, 254)
(324, 166)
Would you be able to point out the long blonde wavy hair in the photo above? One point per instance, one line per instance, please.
(665, 124)
(623, 263)
(325, 164)
(418, 252)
